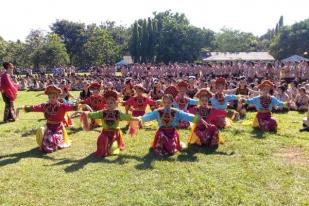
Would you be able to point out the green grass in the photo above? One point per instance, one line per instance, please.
(251, 168)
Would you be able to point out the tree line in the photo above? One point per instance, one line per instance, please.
(164, 37)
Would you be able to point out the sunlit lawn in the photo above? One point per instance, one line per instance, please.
(251, 168)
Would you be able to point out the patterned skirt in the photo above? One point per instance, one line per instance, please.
(52, 138)
(264, 121)
(166, 141)
(206, 135)
(218, 117)
(106, 140)
(183, 124)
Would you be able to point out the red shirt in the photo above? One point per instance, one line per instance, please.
(52, 112)
(140, 103)
(96, 102)
(8, 87)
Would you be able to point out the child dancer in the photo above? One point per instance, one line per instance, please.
(264, 104)
(54, 136)
(183, 102)
(204, 134)
(111, 132)
(166, 141)
(96, 102)
(219, 103)
(139, 102)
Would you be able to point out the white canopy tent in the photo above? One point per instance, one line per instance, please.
(295, 58)
(239, 56)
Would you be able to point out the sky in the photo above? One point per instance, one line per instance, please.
(19, 17)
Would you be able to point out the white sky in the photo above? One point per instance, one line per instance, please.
(18, 17)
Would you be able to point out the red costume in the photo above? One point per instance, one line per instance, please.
(139, 103)
(96, 102)
(9, 93)
(204, 133)
(54, 136)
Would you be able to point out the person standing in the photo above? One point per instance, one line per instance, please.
(8, 90)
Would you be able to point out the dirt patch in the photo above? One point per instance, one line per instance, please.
(293, 155)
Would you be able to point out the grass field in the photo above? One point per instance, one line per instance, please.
(251, 168)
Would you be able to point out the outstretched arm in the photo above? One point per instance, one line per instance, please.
(229, 91)
(184, 116)
(150, 116)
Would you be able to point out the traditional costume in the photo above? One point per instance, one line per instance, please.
(128, 90)
(166, 140)
(192, 90)
(219, 103)
(264, 105)
(9, 93)
(204, 134)
(96, 102)
(54, 136)
(139, 103)
(183, 102)
(111, 132)
(156, 93)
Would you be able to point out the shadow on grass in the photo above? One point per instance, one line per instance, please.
(189, 154)
(257, 133)
(146, 161)
(16, 157)
(74, 130)
(30, 132)
(149, 159)
(75, 165)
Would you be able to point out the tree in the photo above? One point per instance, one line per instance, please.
(101, 48)
(134, 43)
(144, 42)
(34, 44)
(74, 37)
(18, 53)
(168, 37)
(120, 35)
(291, 40)
(280, 23)
(3, 46)
(53, 53)
(229, 40)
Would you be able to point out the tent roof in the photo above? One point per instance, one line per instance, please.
(122, 62)
(125, 61)
(239, 56)
(295, 58)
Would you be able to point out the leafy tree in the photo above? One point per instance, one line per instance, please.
(18, 53)
(280, 23)
(120, 35)
(74, 37)
(101, 48)
(52, 53)
(229, 40)
(168, 37)
(291, 40)
(134, 43)
(3, 46)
